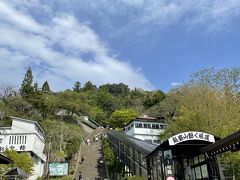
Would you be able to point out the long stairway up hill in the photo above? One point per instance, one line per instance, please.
(91, 168)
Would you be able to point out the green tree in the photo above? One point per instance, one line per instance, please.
(98, 115)
(27, 88)
(20, 107)
(72, 102)
(21, 160)
(77, 87)
(49, 105)
(153, 98)
(108, 153)
(89, 86)
(108, 102)
(120, 118)
(116, 89)
(205, 109)
(45, 87)
(209, 102)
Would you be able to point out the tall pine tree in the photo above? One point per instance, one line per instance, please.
(27, 88)
(77, 87)
(45, 87)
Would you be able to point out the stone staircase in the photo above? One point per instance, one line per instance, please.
(91, 168)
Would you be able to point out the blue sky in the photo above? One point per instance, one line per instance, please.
(150, 44)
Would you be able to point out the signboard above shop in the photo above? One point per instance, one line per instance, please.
(189, 136)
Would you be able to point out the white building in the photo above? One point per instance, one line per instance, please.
(145, 128)
(25, 136)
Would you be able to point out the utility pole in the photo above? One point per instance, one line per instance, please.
(48, 157)
(61, 136)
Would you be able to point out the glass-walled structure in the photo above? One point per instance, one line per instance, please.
(131, 152)
(185, 156)
(180, 158)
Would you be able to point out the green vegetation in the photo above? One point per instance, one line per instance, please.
(114, 167)
(45, 87)
(208, 102)
(120, 118)
(21, 160)
(112, 105)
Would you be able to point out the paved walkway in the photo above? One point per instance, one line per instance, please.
(91, 168)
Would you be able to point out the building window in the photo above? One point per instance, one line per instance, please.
(155, 126)
(147, 126)
(157, 141)
(199, 167)
(148, 140)
(138, 125)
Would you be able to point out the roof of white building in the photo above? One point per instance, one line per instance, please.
(145, 118)
(30, 121)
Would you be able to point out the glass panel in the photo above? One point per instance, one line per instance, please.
(138, 125)
(148, 140)
(147, 125)
(198, 173)
(195, 160)
(155, 172)
(193, 174)
(204, 171)
(157, 141)
(201, 158)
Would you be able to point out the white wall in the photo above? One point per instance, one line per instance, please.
(22, 142)
(26, 126)
(147, 131)
(144, 133)
(38, 168)
(22, 127)
(26, 136)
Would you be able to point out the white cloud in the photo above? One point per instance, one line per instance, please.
(175, 83)
(56, 52)
(212, 15)
(15, 18)
(209, 15)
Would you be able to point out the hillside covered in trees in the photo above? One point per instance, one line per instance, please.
(209, 101)
(110, 105)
